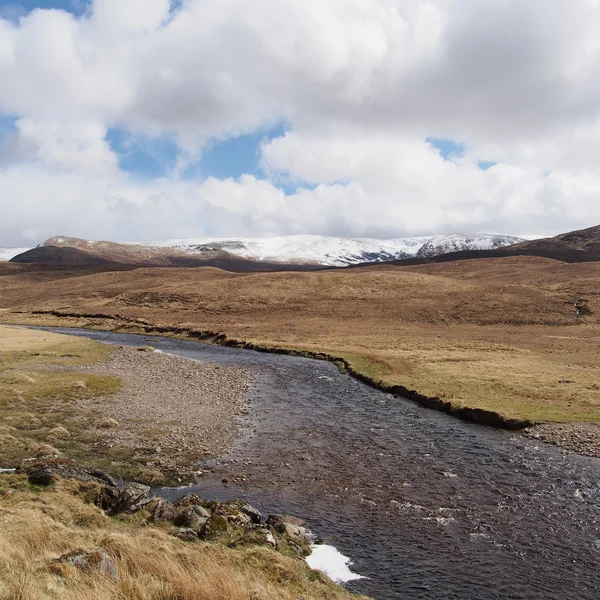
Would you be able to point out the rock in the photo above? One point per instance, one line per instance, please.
(252, 512)
(190, 500)
(232, 511)
(132, 498)
(107, 497)
(187, 535)
(163, 511)
(97, 559)
(42, 475)
(291, 527)
(215, 525)
(109, 423)
(193, 517)
(275, 519)
(260, 536)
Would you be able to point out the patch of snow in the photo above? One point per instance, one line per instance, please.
(339, 252)
(332, 562)
(7, 253)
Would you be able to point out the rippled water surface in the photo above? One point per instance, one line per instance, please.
(426, 506)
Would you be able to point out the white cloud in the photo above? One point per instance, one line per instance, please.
(363, 83)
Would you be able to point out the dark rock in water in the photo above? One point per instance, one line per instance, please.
(252, 512)
(187, 535)
(193, 517)
(260, 536)
(131, 499)
(98, 560)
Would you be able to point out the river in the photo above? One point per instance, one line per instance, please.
(427, 507)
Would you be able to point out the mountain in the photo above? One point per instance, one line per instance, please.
(75, 252)
(297, 252)
(339, 252)
(575, 246)
(582, 245)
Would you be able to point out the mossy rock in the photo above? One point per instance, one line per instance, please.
(215, 526)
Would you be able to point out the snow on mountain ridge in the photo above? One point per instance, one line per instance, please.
(314, 249)
(337, 252)
(7, 253)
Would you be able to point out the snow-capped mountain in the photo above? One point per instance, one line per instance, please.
(7, 253)
(293, 249)
(339, 252)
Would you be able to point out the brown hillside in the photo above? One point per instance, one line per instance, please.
(74, 252)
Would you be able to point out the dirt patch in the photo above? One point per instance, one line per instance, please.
(170, 413)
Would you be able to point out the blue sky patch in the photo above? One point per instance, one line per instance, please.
(484, 165)
(157, 157)
(448, 149)
(13, 10)
(142, 156)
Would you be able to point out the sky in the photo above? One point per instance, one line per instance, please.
(149, 119)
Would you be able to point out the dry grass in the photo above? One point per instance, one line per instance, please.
(499, 334)
(38, 407)
(37, 527)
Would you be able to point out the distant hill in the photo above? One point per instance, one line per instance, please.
(572, 247)
(299, 252)
(74, 252)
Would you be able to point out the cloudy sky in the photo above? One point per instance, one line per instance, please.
(150, 119)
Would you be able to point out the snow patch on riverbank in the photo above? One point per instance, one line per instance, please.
(332, 562)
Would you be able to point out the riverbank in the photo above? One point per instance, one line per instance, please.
(577, 437)
(71, 532)
(502, 336)
(134, 412)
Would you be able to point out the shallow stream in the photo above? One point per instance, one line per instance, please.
(427, 506)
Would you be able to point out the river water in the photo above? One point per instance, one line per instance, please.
(426, 506)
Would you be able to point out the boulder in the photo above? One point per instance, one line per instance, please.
(292, 527)
(98, 560)
(216, 525)
(162, 511)
(41, 475)
(132, 498)
(192, 517)
(259, 536)
(187, 535)
(253, 513)
(232, 511)
(190, 500)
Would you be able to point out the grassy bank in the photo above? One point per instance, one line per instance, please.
(38, 525)
(38, 406)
